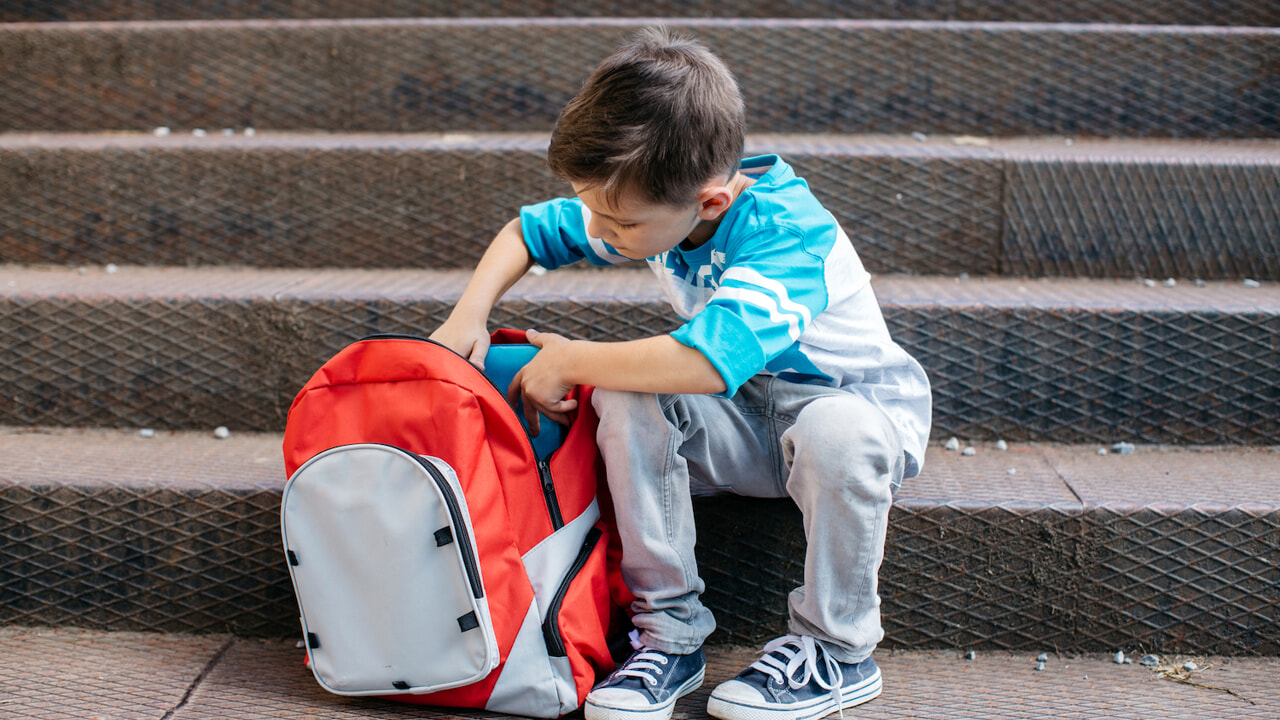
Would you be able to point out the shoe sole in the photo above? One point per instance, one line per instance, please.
(864, 691)
(592, 711)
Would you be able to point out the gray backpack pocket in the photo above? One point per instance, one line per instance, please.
(383, 562)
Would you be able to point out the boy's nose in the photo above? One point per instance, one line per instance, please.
(598, 229)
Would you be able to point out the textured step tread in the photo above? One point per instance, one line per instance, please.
(136, 283)
(1165, 547)
(516, 74)
(1251, 150)
(1239, 12)
(1047, 474)
(1046, 360)
(46, 673)
(935, 205)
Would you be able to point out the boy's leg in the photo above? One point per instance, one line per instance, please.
(653, 446)
(837, 455)
(844, 459)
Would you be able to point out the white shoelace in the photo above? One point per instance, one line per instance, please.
(642, 664)
(801, 652)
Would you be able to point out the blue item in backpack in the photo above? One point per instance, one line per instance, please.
(501, 365)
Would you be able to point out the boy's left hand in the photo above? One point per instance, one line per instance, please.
(542, 383)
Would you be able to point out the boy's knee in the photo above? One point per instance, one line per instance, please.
(606, 400)
(622, 411)
(844, 440)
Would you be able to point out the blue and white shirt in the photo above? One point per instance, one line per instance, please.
(778, 289)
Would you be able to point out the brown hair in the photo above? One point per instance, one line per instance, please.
(661, 117)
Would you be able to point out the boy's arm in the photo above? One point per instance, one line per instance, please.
(504, 262)
(658, 364)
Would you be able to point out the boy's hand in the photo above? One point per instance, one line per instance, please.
(469, 340)
(542, 382)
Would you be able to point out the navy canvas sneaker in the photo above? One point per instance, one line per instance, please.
(795, 680)
(646, 686)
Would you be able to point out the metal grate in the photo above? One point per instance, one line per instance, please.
(956, 574)
(797, 76)
(1079, 376)
(1159, 210)
(1004, 361)
(1021, 575)
(1180, 12)
(272, 206)
(1143, 218)
(427, 202)
(176, 560)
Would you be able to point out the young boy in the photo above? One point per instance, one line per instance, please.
(783, 381)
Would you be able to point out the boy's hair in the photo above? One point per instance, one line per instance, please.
(660, 118)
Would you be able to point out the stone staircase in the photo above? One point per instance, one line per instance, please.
(1074, 222)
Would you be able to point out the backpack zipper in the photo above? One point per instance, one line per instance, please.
(544, 466)
(551, 626)
(549, 493)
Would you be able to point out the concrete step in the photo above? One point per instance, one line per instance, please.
(51, 672)
(1178, 12)
(505, 74)
(1060, 360)
(938, 205)
(1166, 548)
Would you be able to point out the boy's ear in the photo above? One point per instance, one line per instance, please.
(714, 199)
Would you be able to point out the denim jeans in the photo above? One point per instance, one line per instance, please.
(833, 452)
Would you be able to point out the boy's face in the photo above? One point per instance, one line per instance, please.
(638, 230)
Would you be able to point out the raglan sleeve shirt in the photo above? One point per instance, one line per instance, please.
(747, 294)
(767, 293)
(778, 289)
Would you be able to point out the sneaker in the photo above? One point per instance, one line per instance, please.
(795, 680)
(646, 686)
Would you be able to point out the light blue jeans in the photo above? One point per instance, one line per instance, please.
(833, 452)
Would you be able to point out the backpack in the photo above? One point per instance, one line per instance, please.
(439, 554)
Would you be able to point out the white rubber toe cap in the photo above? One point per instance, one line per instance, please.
(737, 691)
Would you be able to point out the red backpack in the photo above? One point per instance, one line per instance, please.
(436, 558)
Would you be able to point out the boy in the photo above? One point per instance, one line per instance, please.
(783, 381)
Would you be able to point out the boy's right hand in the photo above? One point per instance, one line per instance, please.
(469, 340)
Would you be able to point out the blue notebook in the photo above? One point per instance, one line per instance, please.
(501, 365)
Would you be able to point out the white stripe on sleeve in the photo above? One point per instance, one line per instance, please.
(751, 277)
(764, 302)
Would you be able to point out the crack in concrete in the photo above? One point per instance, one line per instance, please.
(199, 680)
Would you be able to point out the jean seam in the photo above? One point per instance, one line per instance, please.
(690, 575)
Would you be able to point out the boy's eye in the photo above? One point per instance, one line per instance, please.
(626, 226)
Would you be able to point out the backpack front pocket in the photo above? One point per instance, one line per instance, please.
(381, 551)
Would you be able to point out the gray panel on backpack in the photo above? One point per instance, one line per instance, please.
(392, 607)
